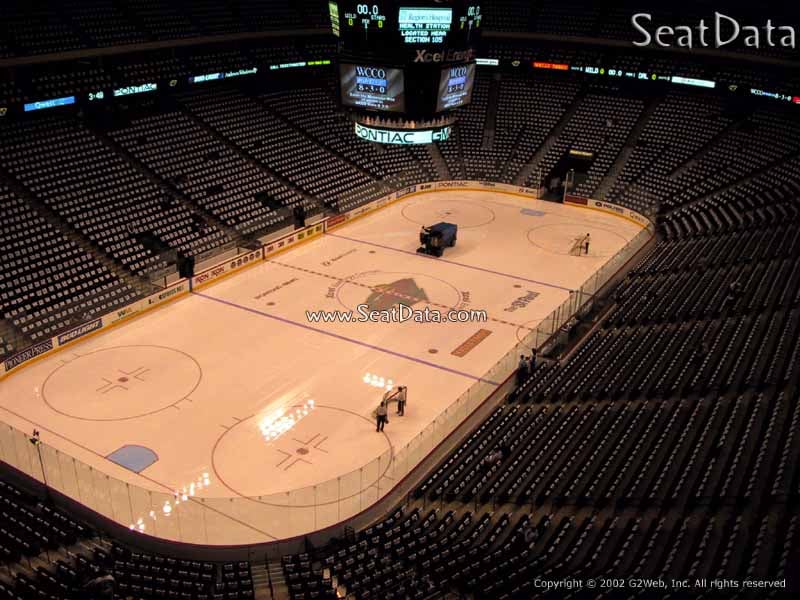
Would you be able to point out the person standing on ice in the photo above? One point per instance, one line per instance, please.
(402, 392)
(381, 416)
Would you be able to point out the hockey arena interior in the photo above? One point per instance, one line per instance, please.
(399, 299)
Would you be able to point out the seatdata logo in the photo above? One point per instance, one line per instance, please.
(718, 32)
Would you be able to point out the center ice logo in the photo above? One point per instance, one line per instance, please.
(402, 291)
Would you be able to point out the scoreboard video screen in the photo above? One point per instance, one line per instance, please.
(396, 55)
(429, 25)
(455, 87)
(373, 87)
(395, 28)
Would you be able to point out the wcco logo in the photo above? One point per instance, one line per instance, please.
(458, 72)
(371, 72)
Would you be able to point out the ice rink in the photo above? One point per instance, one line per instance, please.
(234, 392)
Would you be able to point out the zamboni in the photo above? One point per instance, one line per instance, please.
(436, 238)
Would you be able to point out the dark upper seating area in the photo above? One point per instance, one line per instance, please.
(280, 145)
(528, 110)
(314, 110)
(679, 128)
(101, 195)
(578, 18)
(48, 281)
(89, 75)
(38, 27)
(600, 125)
(207, 172)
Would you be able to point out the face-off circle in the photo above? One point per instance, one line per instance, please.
(526, 329)
(124, 382)
(557, 238)
(318, 448)
(382, 290)
(463, 213)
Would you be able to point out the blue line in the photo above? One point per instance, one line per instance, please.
(451, 262)
(346, 339)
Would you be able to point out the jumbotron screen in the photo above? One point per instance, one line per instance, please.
(425, 25)
(373, 87)
(455, 87)
(409, 48)
(396, 29)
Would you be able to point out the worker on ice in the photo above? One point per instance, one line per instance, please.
(381, 416)
(402, 396)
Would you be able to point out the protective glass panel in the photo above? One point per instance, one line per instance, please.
(165, 519)
(52, 467)
(69, 475)
(8, 453)
(327, 508)
(27, 457)
(350, 494)
(302, 513)
(192, 521)
(142, 510)
(120, 501)
(102, 490)
(86, 492)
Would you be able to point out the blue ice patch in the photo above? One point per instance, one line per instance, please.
(134, 458)
(529, 212)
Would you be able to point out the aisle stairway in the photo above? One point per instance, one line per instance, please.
(531, 166)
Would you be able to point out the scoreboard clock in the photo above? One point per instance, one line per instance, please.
(365, 17)
(363, 25)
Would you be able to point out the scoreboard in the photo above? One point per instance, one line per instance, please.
(424, 25)
(410, 22)
(413, 58)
